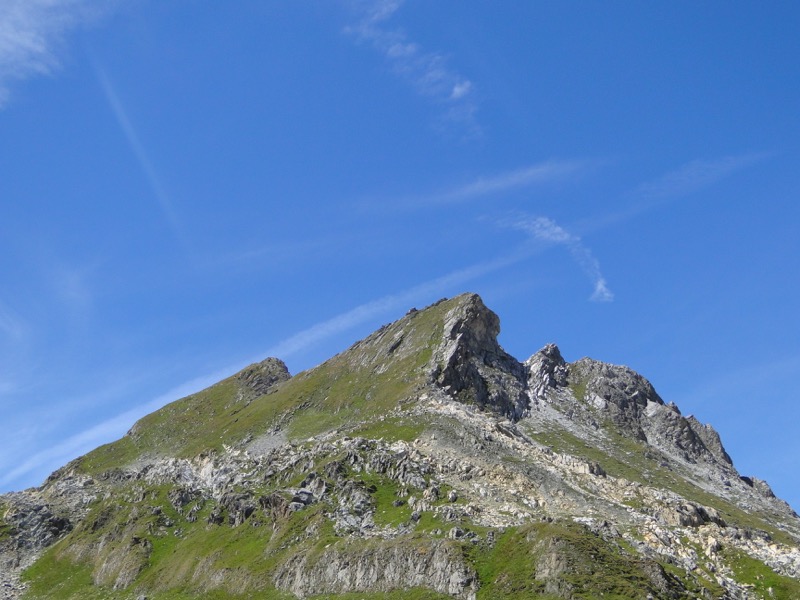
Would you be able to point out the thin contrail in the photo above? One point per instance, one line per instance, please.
(165, 203)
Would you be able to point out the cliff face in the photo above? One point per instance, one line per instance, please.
(470, 365)
(423, 462)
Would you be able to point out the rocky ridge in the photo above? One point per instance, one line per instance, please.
(445, 455)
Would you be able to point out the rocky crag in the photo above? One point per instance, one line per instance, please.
(424, 462)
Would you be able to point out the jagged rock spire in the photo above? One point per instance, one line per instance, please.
(471, 366)
(546, 369)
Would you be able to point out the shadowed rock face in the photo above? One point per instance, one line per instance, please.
(472, 367)
(426, 457)
(260, 377)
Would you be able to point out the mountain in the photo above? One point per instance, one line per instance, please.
(423, 462)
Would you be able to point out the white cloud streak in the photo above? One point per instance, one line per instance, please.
(164, 201)
(427, 72)
(753, 381)
(686, 179)
(542, 173)
(37, 466)
(32, 35)
(71, 287)
(539, 173)
(371, 310)
(548, 231)
(15, 336)
(695, 175)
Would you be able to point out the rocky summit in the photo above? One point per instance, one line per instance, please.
(423, 462)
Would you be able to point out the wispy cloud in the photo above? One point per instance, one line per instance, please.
(541, 173)
(746, 381)
(142, 157)
(36, 467)
(284, 252)
(15, 339)
(427, 72)
(32, 35)
(7, 386)
(548, 231)
(33, 469)
(689, 178)
(695, 175)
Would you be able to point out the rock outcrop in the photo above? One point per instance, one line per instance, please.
(381, 566)
(259, 378)
(471, 366)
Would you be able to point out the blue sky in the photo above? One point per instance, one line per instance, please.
(188, 187)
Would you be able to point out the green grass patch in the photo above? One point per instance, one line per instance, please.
(698, 583)
(410, 594)
(61, 579)
(109, 456)
(565, 442)
(578, 389)
(766, 583)
(385, 492)
(6, 530)
(547, 560)
(392, 429)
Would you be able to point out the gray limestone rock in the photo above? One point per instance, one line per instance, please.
(381, 567)
(472, 367)
(546, 370)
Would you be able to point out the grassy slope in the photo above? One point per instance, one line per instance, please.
(347, 389)
(591, 567)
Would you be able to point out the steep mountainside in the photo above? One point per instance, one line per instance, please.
(424, 462)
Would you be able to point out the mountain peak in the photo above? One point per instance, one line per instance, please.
(423, 460)
(470, 317)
